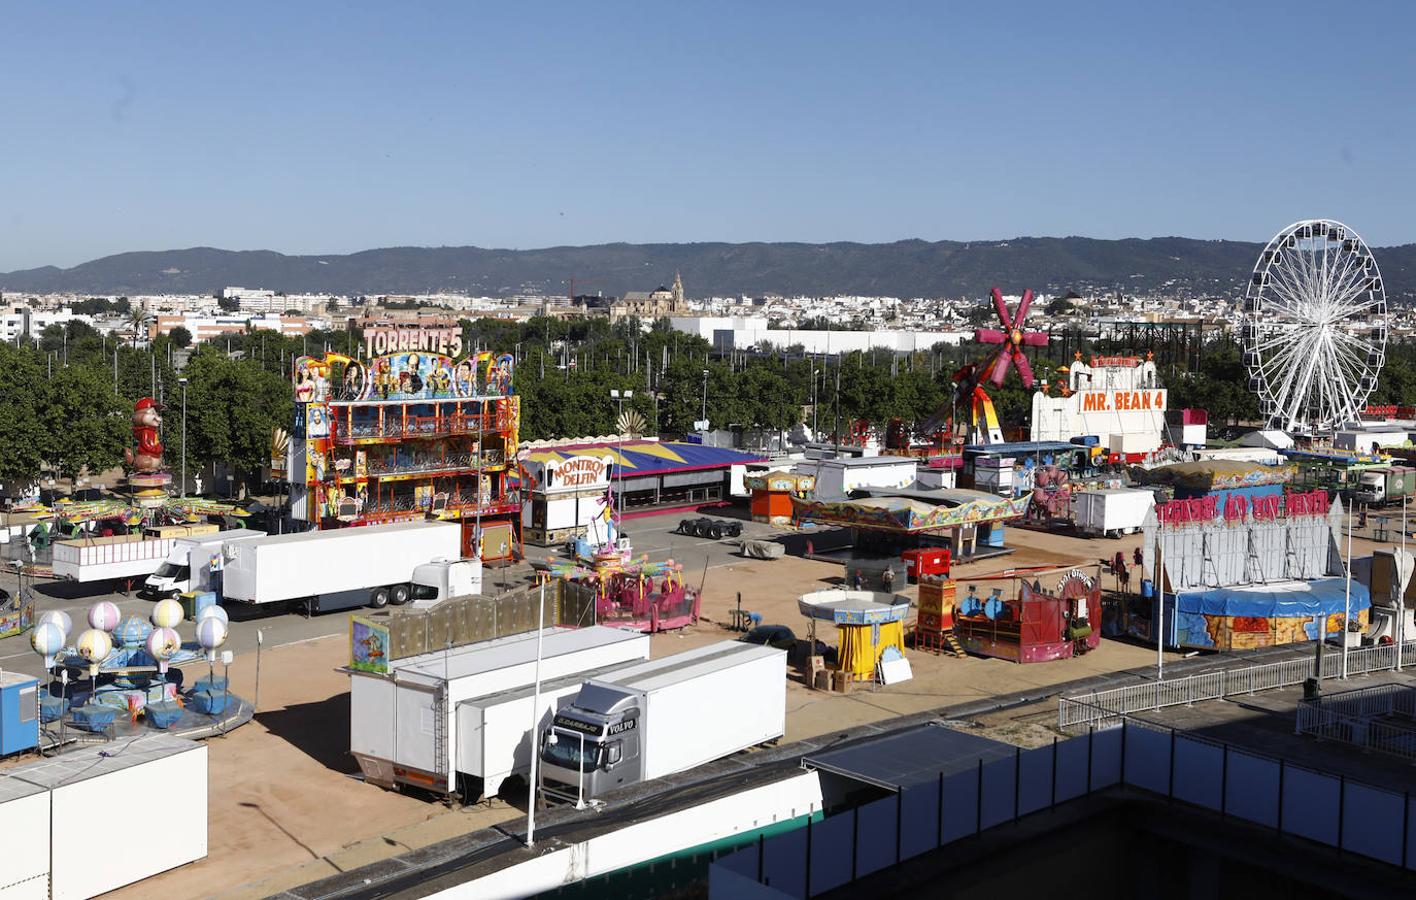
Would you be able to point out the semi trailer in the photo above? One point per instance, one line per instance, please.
(664, 716)
(1386, 486)
(405, 726)
(341, 568)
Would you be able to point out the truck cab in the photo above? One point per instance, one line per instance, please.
(1371, 488)
(593, 745)
(441, 579)
(203, 552)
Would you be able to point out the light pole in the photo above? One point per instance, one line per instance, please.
(183, 382)
(704, 426)
(619, 397)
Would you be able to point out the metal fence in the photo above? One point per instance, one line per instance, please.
(1106, 707)
(1377, 718)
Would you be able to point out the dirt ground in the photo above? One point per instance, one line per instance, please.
(286, 808)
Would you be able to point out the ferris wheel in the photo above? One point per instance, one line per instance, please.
(1314, 327)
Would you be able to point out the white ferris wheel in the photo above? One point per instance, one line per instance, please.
(1314, 327)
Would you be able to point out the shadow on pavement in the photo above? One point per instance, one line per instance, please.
(320, 730)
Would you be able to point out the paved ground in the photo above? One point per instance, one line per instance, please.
(286, 807)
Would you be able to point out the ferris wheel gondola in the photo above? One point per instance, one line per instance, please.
(1314, 327)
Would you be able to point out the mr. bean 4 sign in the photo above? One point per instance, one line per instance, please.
(1122, 401)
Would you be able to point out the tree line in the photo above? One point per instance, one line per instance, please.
(69, 394)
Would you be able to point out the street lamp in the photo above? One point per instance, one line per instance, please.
(183, 382)
(619, 397)
(703, 422)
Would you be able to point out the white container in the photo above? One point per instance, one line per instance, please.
(107, 558)
(495, 734)
(1112, 511)
(24, 822)
(403, 726)
(340, 568)
(81, 784)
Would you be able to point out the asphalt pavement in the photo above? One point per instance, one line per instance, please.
(651, 535)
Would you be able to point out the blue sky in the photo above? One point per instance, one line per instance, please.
(322, 127)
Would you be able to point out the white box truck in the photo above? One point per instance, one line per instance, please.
(665, 716)
(403, 725)
(1111, 511)
(191, 564)
(337, 569)
(495, 733)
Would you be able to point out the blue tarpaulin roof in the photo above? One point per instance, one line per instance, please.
(1289, 600)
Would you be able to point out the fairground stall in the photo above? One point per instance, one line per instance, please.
(566, 497)
(870, 627)
(968, 522)
(1247, 574)
(1029, 616)
(409, 432)
(628, 593)
(1219, 479)
(772, 494)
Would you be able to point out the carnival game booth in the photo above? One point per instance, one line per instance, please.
(1246, 574)
(870, 628)
(889, 523)
(772, 494)
(652, 475)
(1029, 616)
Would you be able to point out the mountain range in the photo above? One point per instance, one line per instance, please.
(912, 268)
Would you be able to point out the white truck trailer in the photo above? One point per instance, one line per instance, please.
(120, 556)
(404, 725)
(191, 563)
(495, 733)
(664, 716)
(1112, 511)
(337, 569)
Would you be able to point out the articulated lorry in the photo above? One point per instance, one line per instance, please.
(192, 564)
(664, 716)
(407, 726)
(495, 733)
(343, 568)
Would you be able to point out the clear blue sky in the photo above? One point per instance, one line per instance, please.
(306, 127)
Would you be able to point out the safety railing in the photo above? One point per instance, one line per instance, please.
(1378, 718)
(1105, 707)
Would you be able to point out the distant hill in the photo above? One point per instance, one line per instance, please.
(901, 269)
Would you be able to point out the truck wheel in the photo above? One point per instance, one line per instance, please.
(378, 598)
(715, 532)
(399, 594)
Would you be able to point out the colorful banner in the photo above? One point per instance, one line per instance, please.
(368, 645)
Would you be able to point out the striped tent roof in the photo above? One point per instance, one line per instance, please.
(641, 457)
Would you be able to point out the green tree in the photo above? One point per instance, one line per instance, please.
(22, 431)
(181, 337)
(85, 425)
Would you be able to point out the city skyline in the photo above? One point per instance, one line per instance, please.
(351, 127)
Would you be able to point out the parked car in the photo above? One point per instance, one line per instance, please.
(705, 527)
(780, 637)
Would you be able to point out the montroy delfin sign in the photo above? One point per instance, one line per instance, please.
(382, 341)
(577, 472)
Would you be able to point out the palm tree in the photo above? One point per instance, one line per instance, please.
(135, 320)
